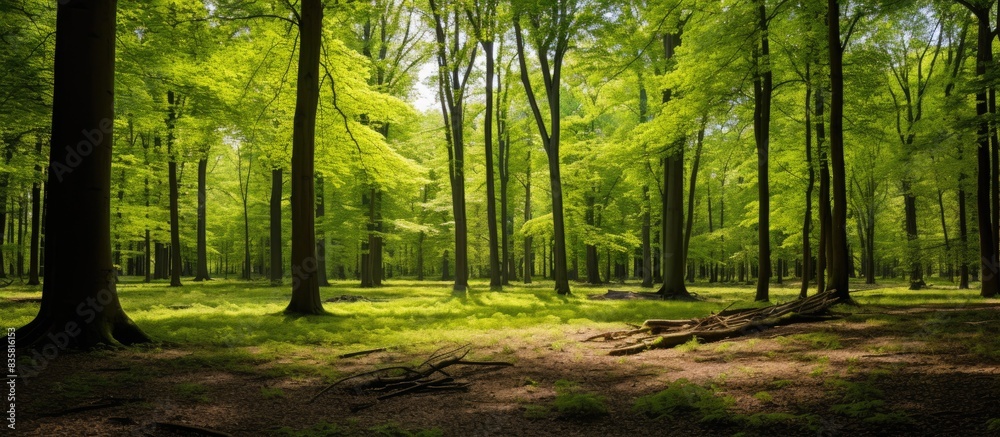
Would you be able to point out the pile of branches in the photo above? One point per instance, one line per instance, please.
(429, 376)
(725, 324)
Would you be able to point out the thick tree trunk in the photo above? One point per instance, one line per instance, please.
(839, 262)
(963, 236)
(275, 227)
(987, 238)
(672, 256)
(593, 276)
(305, 284)
(201, 270)
(80, 306)
(672, 217)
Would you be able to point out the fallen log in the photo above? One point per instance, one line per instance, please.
(726, 324)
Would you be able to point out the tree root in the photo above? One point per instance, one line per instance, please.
(429, 376)
(725, 324)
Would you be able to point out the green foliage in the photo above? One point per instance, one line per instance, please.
(192, 391)
(682, 397)
(272, 393)
(993, 425)
(573, 403)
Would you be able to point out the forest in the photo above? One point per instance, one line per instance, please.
(485, 217)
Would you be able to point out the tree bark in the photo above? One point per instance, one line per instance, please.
(305, 285)
(528, 252)
(551, 135)
(496, 282)
(691, 193)
(175, 233)
(807, 221)
(80, 306)
(36, 213)
(763, 86)
(672, 218)
(201, 270)
(320, 233)
(275, 227)
(839, 262)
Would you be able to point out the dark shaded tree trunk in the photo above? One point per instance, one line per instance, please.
(275, 227)
(763, 86)
(691, 193)
(36, 213)
(987, 238)
(201, 269)
(451, 90)
(672, 218)
(647, 249)
(175, 233)
(593, 274)
(528, 251)
(806, 270)
(839, 263)
(305, 284)
(556, 46)
(80, 306)
(496, 282)
(321, 232)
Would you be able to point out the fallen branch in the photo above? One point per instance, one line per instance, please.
(430, 375)
(726, 324)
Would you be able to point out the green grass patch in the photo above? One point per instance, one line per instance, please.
(574, 403)
(682, 398)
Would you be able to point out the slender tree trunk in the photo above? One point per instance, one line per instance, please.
(528, 253)
(201, 270)
(175, 233)
(36, 213)
(763, 85)
(276, 240)
(647, 249)
(496, 283)
(80, 306)
(691, 193)
(593, 274)
(807, 221)
(839, 262)
(305, 284)
(320, 232)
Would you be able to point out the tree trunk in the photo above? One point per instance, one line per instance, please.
(320, 233)
(276, 240)
(806, 271)
(175, 233)
(838, 262)
(496, 283)
(763, 85)
(80, 306)
(305, 284)
(528, 262)
(987, 238)
(201, 270)
(672, 218)
(913, 244)
(691, 193)
(647, 250)
(36, 213)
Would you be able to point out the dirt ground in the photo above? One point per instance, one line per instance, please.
(921, 364)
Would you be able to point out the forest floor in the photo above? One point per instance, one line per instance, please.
(900, 363)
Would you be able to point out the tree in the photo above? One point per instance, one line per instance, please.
(483, 16)
(763, 86)
(305, 280)
(550, 28)
(990, 269)
(453, 77)
(839, 262)
(80, 306)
